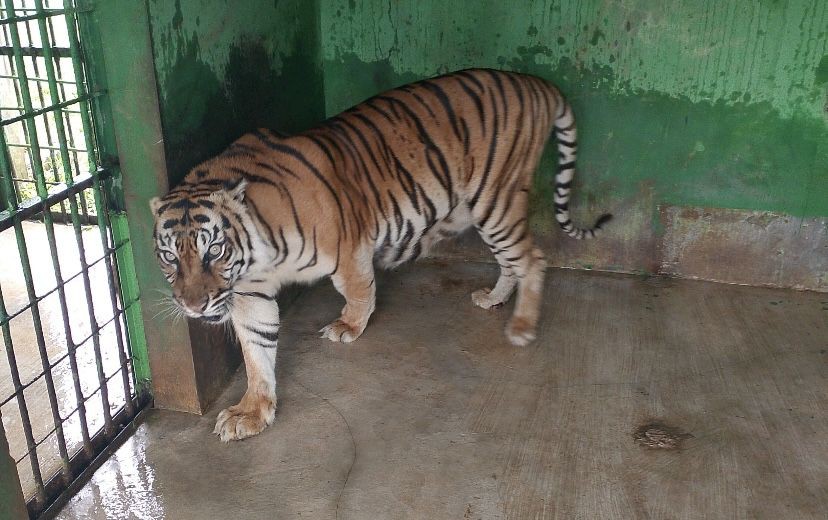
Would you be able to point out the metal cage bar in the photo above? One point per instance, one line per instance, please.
(65, 132)
(50, 233)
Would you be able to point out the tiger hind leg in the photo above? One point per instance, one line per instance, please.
(531, 269)
(521, 264)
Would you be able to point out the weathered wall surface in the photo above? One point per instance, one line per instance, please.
(685, 108)
(225, 67)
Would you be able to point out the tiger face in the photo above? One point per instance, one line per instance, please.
(199, 249)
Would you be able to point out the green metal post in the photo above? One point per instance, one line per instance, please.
(37, 166)
(118, 54)
(114, 216)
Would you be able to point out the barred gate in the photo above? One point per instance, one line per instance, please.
(74, 371)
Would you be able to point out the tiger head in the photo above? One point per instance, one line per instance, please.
(202, 247)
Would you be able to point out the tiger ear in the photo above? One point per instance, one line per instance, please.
(154, 204)
(237, 192)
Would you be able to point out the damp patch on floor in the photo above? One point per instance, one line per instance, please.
(659, 436)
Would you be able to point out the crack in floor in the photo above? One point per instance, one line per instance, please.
(350, 433)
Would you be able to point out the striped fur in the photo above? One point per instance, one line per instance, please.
(377, 185)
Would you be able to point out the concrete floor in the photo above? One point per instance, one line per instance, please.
(433, 415)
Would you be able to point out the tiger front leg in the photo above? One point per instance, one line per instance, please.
(354, 279)
(256, 322)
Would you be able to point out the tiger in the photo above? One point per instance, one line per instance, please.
(373, 187)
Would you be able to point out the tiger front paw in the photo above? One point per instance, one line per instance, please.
(246, 419)
(340, 332)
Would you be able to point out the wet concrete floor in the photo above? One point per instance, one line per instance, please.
(27, 352)
(642, 398)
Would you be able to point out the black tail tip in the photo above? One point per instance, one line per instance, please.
(603, 219)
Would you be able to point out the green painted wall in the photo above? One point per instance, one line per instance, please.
(683, 104)
(225, 67)
(686, 103)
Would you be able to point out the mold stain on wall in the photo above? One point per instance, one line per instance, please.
(224, 68)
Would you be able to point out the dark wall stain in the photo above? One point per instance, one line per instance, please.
(202, 113)
(204, 107)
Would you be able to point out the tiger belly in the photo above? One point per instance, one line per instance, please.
(392, 253)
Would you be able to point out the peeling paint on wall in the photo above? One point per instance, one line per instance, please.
(216, 28)
(750, 51)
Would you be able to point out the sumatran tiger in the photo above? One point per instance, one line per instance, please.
(376, 185)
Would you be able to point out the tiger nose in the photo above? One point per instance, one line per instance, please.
(192, 302)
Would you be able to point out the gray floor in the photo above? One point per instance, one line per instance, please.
(433, 415)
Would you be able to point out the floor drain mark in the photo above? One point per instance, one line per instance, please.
(659, 436)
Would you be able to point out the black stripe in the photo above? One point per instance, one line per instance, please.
(468, 75)
(568, 128)
(406, 239)
(270, 337)
(566, 166)
(398, 217)
(410, 89)
(508, 232)
(296, 154)
(446, 102)
(285, 192)
(312, 261)
(278, 170)
(284, 249)
(478, 103)
(252, 177)
(381, 112)
(332, 134)
(490, 158)
(431, 148)
(465, 135)
(257, 215)
(499, 84)
(518, 240)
